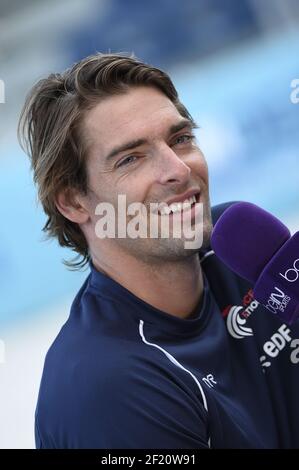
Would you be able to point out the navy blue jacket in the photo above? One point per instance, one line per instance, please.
(123, 374)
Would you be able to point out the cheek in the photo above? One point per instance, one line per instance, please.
(135, 189)
(199, 166)
(100, 193)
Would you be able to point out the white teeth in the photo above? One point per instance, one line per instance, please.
(186, 204)
(173, 207)
(177, 206)
(165, 210)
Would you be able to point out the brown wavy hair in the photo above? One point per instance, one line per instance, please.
(50, 131)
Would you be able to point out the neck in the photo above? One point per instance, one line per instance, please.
(175, 287)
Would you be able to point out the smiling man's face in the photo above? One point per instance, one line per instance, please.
(141, 147)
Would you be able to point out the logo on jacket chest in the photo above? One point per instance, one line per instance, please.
(236, 316)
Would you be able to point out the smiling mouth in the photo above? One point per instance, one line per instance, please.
(178, 207)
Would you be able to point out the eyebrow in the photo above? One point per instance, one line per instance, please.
(137, 142)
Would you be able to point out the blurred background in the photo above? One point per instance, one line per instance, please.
(232, 62)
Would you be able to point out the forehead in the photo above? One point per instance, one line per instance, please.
(142, 112)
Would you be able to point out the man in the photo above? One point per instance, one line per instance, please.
(151, 355)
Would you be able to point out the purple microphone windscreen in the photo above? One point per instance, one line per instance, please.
(246, 237)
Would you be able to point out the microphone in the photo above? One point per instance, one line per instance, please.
(259, 247)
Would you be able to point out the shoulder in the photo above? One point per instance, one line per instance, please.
(81, 384)
(105, 400)
(118, 404)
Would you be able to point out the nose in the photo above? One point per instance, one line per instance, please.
(171, 168)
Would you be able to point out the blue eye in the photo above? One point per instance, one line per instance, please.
(126, 161)
(184, 139)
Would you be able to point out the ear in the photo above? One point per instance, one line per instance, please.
(72, 205)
